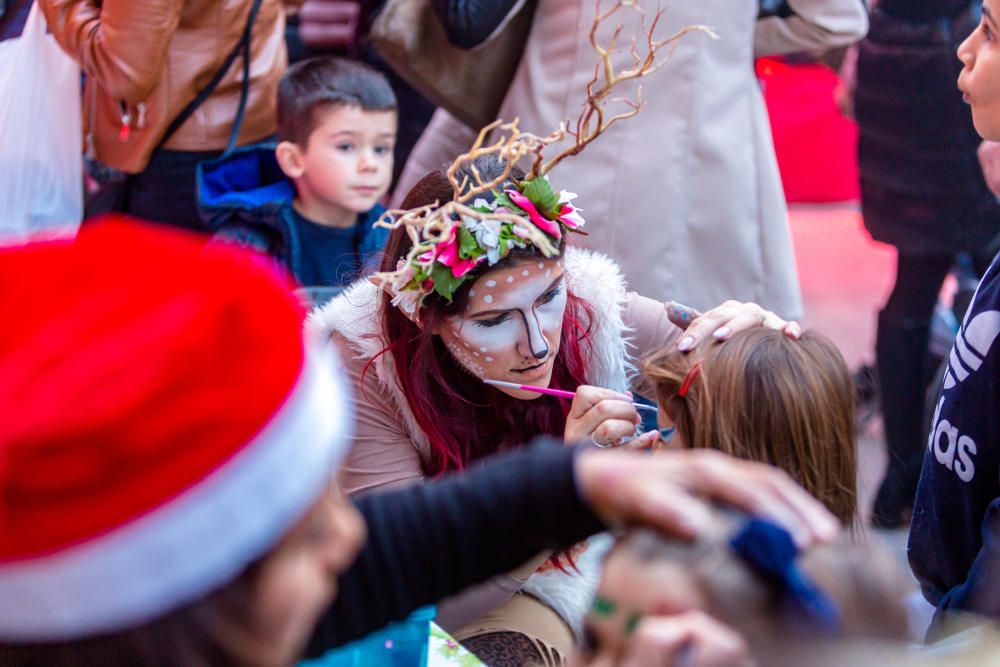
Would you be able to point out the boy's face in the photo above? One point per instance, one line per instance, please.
(347, 162)
(980, 78)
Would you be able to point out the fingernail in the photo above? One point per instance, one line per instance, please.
(686, 344)
(722, 332)
(794, 330)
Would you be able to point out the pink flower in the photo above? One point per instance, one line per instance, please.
(550, 227)
(569, 217)
(447, 254)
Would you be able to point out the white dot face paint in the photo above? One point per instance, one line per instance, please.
(518, 323)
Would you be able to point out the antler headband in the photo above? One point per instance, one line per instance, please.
(485, 222)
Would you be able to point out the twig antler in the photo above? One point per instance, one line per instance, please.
(510, 147)
(433, 225)
(593, 120)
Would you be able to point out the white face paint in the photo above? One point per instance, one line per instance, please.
(512, 327)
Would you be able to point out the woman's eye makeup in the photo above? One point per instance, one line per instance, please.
(493, 321)
(549, 296)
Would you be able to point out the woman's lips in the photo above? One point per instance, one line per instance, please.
(533, 372)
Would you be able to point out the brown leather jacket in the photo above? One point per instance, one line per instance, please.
(146, 59)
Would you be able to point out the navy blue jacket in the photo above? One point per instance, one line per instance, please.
(245, 198)
(954, 545)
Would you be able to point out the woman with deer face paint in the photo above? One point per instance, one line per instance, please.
(478, 287)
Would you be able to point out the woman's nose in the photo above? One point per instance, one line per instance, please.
(537, 345)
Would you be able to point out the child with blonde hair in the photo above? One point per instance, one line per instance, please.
(765, 397)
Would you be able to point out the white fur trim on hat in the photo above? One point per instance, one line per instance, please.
(195, 543)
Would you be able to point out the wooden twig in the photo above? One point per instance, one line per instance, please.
(593, 120)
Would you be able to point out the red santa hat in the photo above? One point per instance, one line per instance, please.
(162, 424)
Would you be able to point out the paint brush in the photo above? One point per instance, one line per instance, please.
(561, 393)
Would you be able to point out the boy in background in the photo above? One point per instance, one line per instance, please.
(311, 200)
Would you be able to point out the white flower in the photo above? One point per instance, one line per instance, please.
(487, 233)
(565, 196)
(407, 301)
(404, 274)
(479, 202)
(572, 219)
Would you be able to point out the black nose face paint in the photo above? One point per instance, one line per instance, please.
(536, 340)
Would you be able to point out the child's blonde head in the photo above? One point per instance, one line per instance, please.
(765, 397)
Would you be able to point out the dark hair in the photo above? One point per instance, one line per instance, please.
(312, 86)
(464, 419)
(209, 632)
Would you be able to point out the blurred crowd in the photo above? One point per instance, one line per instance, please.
(490, 306)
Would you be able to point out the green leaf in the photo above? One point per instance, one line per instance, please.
(541, 194)
(445, 282)
(503, 200)
(467, 244)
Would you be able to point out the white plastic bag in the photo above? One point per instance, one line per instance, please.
(41, 175)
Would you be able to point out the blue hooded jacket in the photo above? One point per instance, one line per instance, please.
(245, 198)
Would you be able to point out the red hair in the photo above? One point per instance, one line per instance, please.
(463, 418)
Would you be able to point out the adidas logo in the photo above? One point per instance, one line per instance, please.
(972, 344)
(952, 449)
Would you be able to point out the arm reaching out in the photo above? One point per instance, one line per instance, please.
(432, 540)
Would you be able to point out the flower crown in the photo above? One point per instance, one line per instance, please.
(487, 219)
(528, 213)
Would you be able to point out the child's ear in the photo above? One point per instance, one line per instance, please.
(290, 159)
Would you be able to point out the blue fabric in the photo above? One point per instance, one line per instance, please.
(954, 547)
(245, 198)
(770, 551)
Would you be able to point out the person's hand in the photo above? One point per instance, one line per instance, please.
(329, 24)
(670, 492)
(606, 418)
(989, 160)
(689, 639)
(723, 321)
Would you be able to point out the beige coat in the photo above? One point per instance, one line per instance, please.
(686, 196)
(148, 59)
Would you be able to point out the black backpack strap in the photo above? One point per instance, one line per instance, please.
(243, 46)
